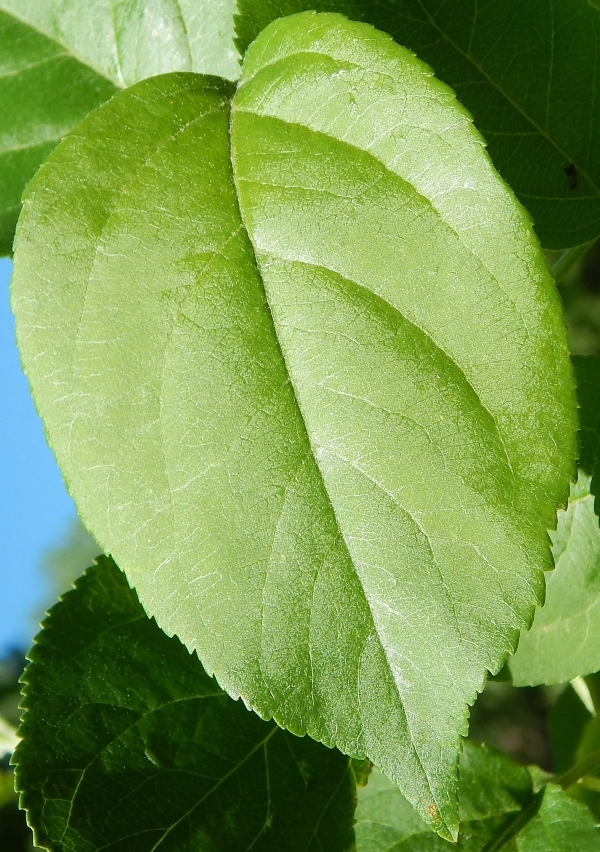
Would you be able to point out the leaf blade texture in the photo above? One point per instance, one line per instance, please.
(540, 127)
(44, 93)
(128, 744)
(177, 374)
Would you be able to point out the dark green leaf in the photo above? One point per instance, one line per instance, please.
(129, 745)
(587, 371)
(566, 723)
(331, 474)
(44, 93)
(526, 71)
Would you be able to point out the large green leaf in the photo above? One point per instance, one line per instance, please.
(526, 71)
(331, 473)
(499, 810)
(129, 40)
(564, 641)
(129, 745)
(44, 93)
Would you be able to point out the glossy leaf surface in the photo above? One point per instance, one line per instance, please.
(129, 745)
(526, 71)
(129, 40)
(44, 92)
(499, 810)
(331, 473)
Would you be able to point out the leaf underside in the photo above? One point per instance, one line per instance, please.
(324, 437)
(541, 125)
(129, 745)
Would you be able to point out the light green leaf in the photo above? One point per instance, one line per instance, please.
(541, 126)
(129, 745)
(499, 810)
(331, 474)
(8, 738)
(129, 40)
(44, 93)
(564, 641)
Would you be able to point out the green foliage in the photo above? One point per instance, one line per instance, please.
(44, 93)
(128, 744)
(129, 40)
(563, 641)
(588, 394)
(303, 364)
(376, 488)
(500, 808)
(526, 71)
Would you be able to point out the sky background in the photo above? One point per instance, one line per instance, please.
(35, 511)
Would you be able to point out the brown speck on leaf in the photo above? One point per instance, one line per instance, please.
(571, 173)
(432, 811)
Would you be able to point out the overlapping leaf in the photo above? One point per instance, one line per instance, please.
(44, 93)
(564, 641)
(526, 71)
(499, 810)
(60, 60)
(128, 744)
(324, 441)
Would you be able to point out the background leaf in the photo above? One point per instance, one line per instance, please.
(44, 93)
(344, 525)
(129, 40)
(587, 370)
(526, 71)
(564, 641)
(499, 810)
(128, 744)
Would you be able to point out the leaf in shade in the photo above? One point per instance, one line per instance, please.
(129, 745)
(499, 810)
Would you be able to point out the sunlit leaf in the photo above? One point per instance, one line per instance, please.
(328, 464)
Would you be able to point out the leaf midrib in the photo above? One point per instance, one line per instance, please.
(413, 739)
